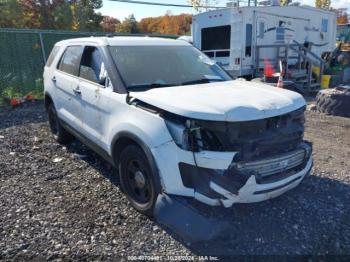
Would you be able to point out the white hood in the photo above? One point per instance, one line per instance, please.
(223, 101)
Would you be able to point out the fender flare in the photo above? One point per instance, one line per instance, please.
(145, 149)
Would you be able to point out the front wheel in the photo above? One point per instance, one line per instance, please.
(137, 180)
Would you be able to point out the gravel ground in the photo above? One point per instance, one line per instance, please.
(64, 202)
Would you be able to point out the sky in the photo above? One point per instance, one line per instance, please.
(121, 10)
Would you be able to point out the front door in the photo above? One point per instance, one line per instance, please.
(92, 76)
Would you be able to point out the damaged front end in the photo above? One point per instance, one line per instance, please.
(242, 162)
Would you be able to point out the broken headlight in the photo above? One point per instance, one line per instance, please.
(179, 132)
(188, 135)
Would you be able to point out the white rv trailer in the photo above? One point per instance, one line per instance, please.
(231, 35)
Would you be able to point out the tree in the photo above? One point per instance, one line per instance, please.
(86, 17)
(167, 24)
(285, 2)
(343, 19)
(51, 14)
(63, 16)
(342, 16)
(197, 4)
(324, 4)
(109, 24)
(129, 25)
(11, 14)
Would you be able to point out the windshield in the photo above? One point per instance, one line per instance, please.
(145, 67)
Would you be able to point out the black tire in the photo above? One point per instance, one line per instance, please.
(60, 134)
(333, 103)
(137, 180)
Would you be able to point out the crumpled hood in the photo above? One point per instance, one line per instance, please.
(234, 100)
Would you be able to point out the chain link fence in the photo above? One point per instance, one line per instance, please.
(23, 54)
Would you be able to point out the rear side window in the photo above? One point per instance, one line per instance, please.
(52, 56)
(71, 60)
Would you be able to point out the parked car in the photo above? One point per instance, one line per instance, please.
(172, 121)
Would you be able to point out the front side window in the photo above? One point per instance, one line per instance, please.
(92, 67)
(71, 60)
(143, 67)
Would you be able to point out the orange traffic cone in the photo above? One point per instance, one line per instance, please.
(280, 82)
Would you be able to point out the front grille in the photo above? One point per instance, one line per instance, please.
(271, 166)
(254, 139)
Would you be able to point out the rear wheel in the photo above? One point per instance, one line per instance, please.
(137, 180)
(60, 134)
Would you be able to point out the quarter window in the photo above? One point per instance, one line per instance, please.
(52, 56)
(71, 60)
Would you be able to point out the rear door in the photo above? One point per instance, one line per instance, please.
(67, 86)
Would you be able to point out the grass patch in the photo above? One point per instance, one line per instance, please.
(35, 89)
(2, 102)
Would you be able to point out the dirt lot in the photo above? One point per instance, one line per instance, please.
(64, 202)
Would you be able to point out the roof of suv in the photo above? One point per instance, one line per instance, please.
(125, 41)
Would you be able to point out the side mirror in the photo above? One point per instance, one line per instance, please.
(102, 80)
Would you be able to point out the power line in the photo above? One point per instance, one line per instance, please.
(161, 4)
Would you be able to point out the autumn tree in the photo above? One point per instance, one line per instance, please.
(324, 4)
(167, 24)
(109, 24)
(343, 19)
(342, 16)
(86, 17)
(129, 25)
(51, 14)
(63, 17)
(11, 14)
(285, 2)
(202, 5)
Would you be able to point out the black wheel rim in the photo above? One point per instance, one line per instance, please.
(137, 182)
(53, 121)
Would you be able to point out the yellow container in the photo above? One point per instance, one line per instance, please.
(326, 79)
(316, 70)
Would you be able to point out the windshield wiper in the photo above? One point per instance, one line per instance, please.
(201, 81)
(148, 86)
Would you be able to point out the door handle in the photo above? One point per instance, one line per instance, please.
(54, 79)
(77, 90)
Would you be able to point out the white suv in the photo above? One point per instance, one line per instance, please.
(174, 122)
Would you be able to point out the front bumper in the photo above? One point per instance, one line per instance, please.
(254, 192)
(237, 185)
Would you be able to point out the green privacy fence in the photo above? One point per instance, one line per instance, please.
(23, 54)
